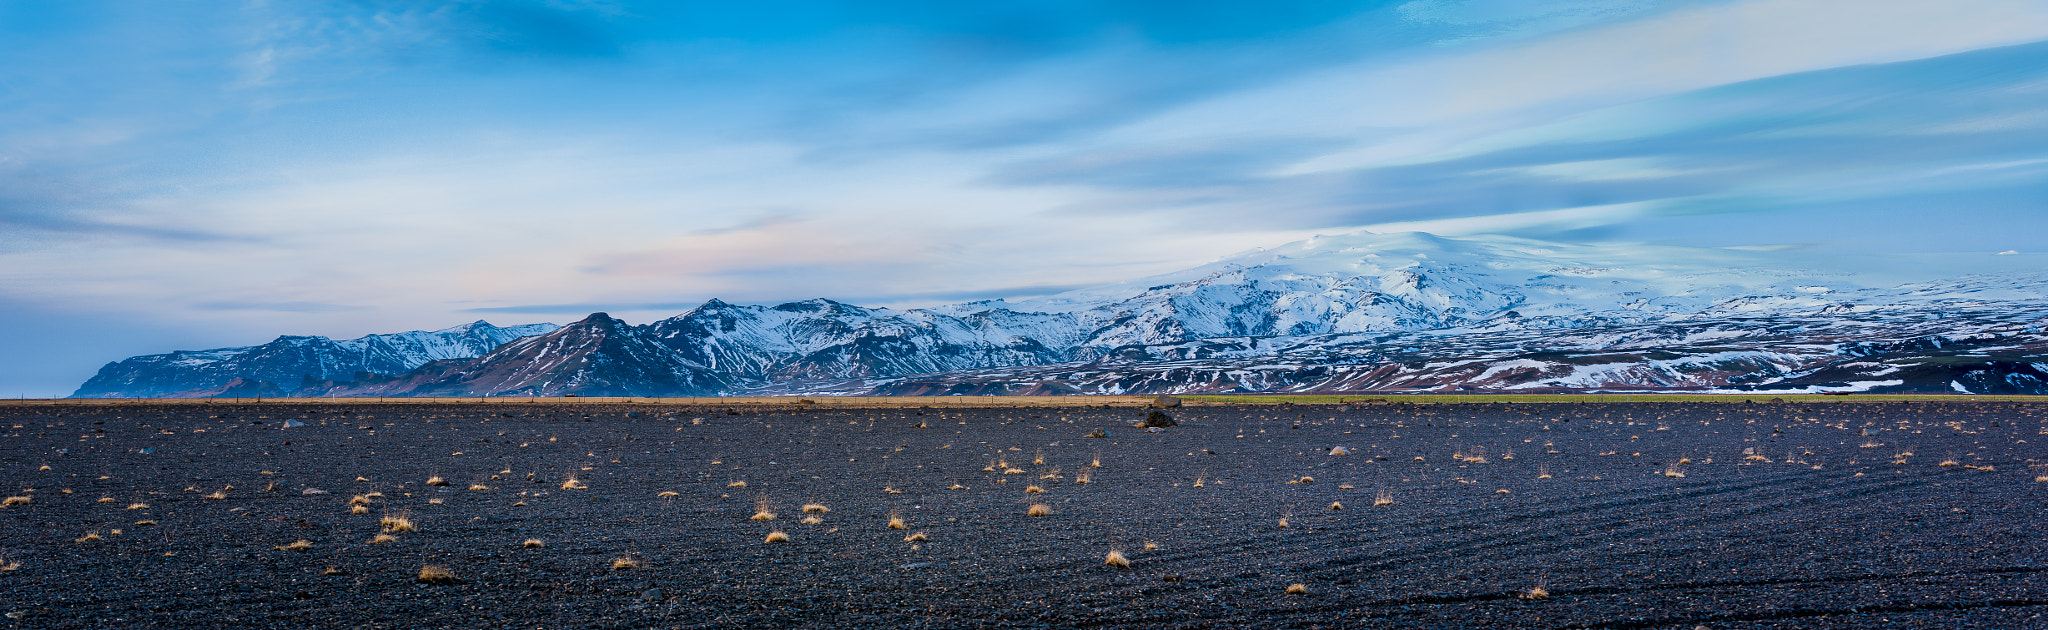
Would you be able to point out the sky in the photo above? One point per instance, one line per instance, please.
(192, 175)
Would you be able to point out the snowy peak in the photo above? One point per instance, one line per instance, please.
(290, 360)
(596, 356)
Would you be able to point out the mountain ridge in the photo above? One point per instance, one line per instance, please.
(1746, 319)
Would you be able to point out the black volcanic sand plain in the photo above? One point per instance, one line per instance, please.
(1841, 515)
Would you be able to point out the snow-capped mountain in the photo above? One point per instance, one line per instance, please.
(598, 356)
(1351, 312)
(290, 360)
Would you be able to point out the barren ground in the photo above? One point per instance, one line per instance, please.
(1652, 516)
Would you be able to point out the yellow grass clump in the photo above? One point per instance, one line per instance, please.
(761, 511)
(1385, 498)
(1117, 559)
(299, 545)
(573, 484)
(737, 484)
(1149, 545)
(436, 481)
(533, 543)
(477, 487)
(89, 537)
(435, 574)
(359, 509)
(917, 537)
(1297, 588)
(776, 537)
(625, 563)
(13, 501)
(896, 522)
(1336, 505)
(815, 507)
(1033, 489)
(382, 539)
(1538, 592)
(359, 500)
(8, 566)
(105, 500)
(1039, 509)
(1283, 521)
(218, 494)
(810, 520)
(666, 494)
(400, 523)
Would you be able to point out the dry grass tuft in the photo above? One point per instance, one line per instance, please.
(1297, 588)
(891, 490)
(810, 520)
(533, 543)
(1336, 505)
(1083, 477)
(573, 484)
(761, 511)
(299, 545)
(957, 487)
(145, 522)
(666, 494)
(776, 537)
(1672, 471)
(1117, 559)
(896, 522)
(359, 509)
(1542, 472)
(218, 494)
(815, 507)
(1033, 489)
(400, 523)
(737, 484)
(333, 571)
(1303, 479)
(435, 574)
(477, 487)
(89, 537)
(138, 505)
(1538, 592)
(1038, 458)
(1283, 521)
(105, 500)
(1950, 462)
(8, 566)
(917, 537)
(2041, 479)
(1149, 545)
(625, 563)
(359, 500)
(382, 539)
(1039, 509)
(13, 501)
(436, 481)
(1385, 498)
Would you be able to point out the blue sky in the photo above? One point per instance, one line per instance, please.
(179, 175)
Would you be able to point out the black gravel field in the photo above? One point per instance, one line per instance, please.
(1630, 515)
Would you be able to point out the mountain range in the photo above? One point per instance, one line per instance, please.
(1352, 312)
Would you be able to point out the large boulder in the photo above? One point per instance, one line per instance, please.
(1157, 418)
(1166, 402)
